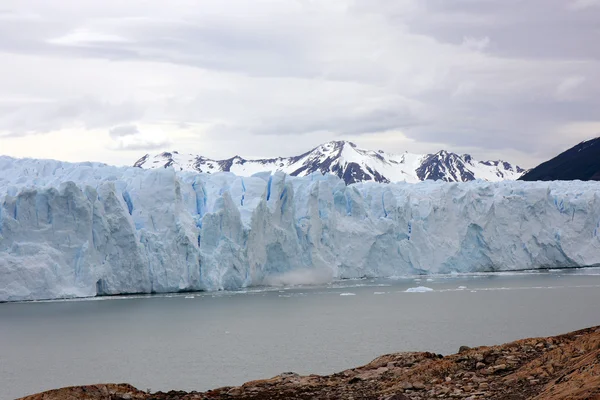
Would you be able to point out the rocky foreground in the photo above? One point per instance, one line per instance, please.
(553, 368)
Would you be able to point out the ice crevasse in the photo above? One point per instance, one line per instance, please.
(87, 229)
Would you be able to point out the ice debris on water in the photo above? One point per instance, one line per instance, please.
(419, 289)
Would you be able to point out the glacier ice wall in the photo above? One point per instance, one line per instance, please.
(77, 230)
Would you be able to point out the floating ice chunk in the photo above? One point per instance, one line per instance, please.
(419, 289)
(347, 294)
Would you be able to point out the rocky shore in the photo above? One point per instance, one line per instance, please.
(552, 368)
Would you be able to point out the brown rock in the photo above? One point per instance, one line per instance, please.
(92, 392)
(235, 392)
(500, 367)
(397, 396)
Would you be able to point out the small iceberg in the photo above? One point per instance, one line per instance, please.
(347, 294)
(419, 289)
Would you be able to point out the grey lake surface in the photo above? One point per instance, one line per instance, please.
(206, 340)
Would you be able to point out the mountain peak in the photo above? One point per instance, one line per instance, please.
(349, 162)
(335, 145)
(340, 143)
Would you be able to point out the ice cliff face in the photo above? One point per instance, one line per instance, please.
(75, 230)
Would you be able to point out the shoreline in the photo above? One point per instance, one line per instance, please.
(280, 287)
(552, 368)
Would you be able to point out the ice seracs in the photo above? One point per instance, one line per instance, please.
(76, 230)
(348, 162)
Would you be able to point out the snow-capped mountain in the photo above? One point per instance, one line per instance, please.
(350, 163)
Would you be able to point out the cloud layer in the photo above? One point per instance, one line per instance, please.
(495, 77)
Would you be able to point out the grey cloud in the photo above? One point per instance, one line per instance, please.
(41, 117)
(143, 145)
(292, 47)
(360, 122)
(257, 49)
(490, 73)
(341, 108)
(123, 130)
(583, 4)
(131, 138)
(531, 29)
(526, 126)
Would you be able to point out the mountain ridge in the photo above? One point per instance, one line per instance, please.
(350, 163)
(580, 162)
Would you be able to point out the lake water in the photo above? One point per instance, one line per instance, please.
(212, 340)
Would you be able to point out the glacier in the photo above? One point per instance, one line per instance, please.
(88, 229)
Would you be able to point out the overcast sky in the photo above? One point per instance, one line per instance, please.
(112, 80)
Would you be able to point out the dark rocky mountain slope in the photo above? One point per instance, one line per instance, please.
(581, 162)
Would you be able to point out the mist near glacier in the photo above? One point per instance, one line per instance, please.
(300, 277)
